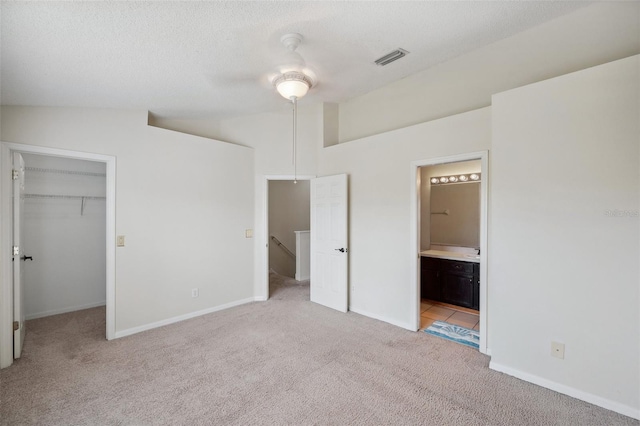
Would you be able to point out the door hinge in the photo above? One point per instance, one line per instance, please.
(15, 174)
(16, 250)
(16, 326)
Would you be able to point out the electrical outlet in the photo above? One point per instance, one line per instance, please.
(195, 292)
(557, 350)
(120, 241)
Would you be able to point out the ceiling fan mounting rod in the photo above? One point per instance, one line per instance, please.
(291, 41)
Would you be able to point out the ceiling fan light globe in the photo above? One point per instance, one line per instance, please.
(292, 88)
(292, 85)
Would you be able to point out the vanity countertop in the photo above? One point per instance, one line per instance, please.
(451, 255)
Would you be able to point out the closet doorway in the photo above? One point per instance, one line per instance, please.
(68, 213)
(287, 225)
(64, 219)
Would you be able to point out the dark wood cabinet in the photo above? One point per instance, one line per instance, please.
(430, 287)
(450, 281)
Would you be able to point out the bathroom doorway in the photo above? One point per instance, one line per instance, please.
(450, 244)
(451, 200)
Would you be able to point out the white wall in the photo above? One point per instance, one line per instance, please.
(426, 173)
(288, 212)
(592, 35)
(380, 175)
(182, 201)
(269, 134)
(68, 272)
(562, 268)
(206, 128)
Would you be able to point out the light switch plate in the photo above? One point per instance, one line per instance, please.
(120, 241)
(248, 233)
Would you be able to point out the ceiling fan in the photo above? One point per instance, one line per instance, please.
(293, 82)
(295, 78)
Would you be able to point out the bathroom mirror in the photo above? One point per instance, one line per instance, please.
(455, 214)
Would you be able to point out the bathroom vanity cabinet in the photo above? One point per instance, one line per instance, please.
(451, 281)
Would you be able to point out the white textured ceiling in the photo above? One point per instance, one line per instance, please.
(195, 59)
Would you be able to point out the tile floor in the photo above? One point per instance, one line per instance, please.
(431, 311)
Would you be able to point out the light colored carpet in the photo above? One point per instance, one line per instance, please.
(284, 361)
(287, 288)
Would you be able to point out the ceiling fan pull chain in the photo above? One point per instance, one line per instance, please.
(295, 138)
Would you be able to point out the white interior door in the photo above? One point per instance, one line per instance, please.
(329, 252)
(18, 253)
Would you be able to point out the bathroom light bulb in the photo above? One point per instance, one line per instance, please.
(434, 180)
(463, 178)
(474, 177)
(444, 180)
(453, 179)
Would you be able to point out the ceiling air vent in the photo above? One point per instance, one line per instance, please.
(390, 57)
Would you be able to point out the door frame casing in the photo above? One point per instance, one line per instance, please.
(17, 228)
(264, 242)
(6, 282)
(483, 156)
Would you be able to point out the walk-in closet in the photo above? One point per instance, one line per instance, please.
(64, 235)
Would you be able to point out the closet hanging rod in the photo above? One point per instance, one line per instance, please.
(64, 197)
(64, 172)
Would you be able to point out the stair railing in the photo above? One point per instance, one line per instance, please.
(283, 247)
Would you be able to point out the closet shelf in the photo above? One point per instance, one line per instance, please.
(64, 197)
(64, 172)
(83, 198)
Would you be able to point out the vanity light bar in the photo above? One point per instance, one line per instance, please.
(469, 177)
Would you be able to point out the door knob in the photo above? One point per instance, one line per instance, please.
(342, 250)
(25, 258)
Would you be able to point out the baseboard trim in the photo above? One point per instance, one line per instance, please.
(391, 321)
(260, 299)
(568, 390)
(139, 329)
(64, 310)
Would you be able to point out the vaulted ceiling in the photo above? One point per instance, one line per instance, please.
(214, 59)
